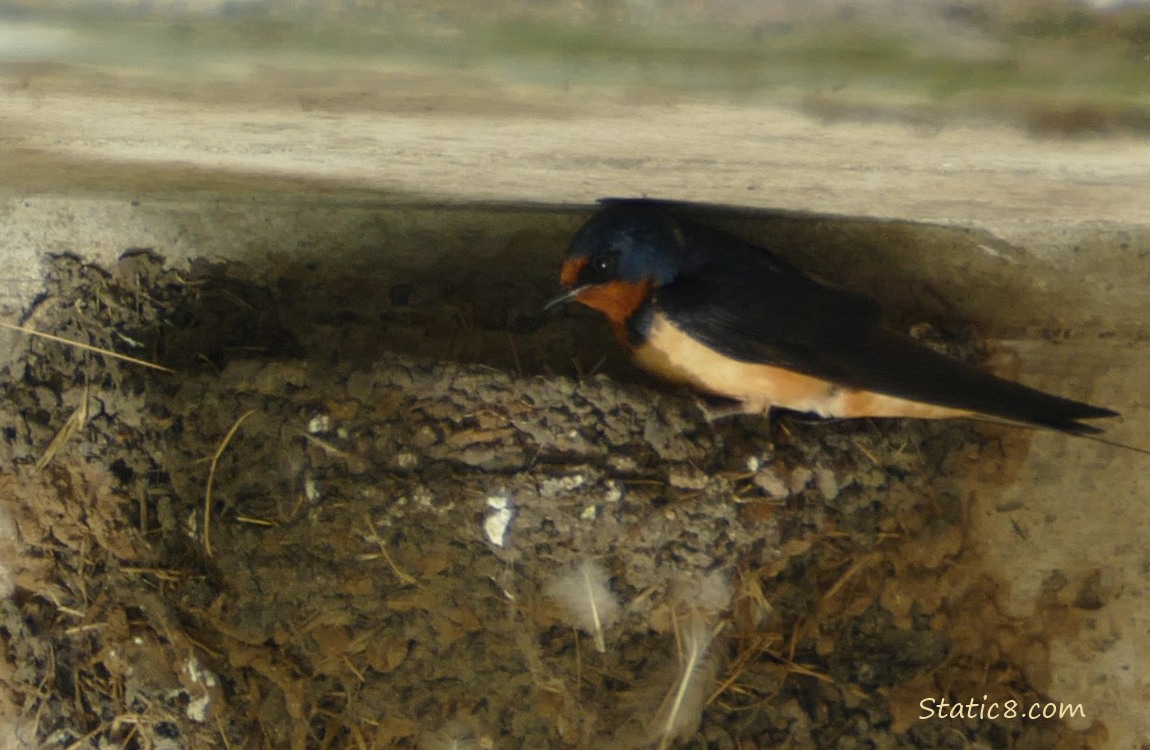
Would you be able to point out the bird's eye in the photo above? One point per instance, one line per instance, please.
(603, 264)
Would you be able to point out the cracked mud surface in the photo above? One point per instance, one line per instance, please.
(372, 566)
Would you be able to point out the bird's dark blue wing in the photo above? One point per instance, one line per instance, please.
(747, 303)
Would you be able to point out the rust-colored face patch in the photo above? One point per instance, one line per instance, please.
(618, 300)
(569, 273)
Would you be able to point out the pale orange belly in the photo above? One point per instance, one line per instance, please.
(672, 354)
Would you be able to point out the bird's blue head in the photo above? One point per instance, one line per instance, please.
(618, 257)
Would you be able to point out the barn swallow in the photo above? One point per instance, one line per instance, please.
(699, 306)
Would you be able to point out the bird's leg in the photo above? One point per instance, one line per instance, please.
(716, 413)
(713, 413)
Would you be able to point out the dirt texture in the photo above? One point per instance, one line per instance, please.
(274, 547)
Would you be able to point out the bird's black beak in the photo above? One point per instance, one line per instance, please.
(567, 295)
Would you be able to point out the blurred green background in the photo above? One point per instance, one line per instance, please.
(1054, 68)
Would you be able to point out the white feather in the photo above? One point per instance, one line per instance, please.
(585, 596)
(456, 735)
(683, 707)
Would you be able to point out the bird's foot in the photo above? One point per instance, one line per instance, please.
(715, 412)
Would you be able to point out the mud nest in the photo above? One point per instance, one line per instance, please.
(269, 549)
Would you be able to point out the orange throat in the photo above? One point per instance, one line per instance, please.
(618, 300)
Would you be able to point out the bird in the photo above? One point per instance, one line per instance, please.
(696, 305)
